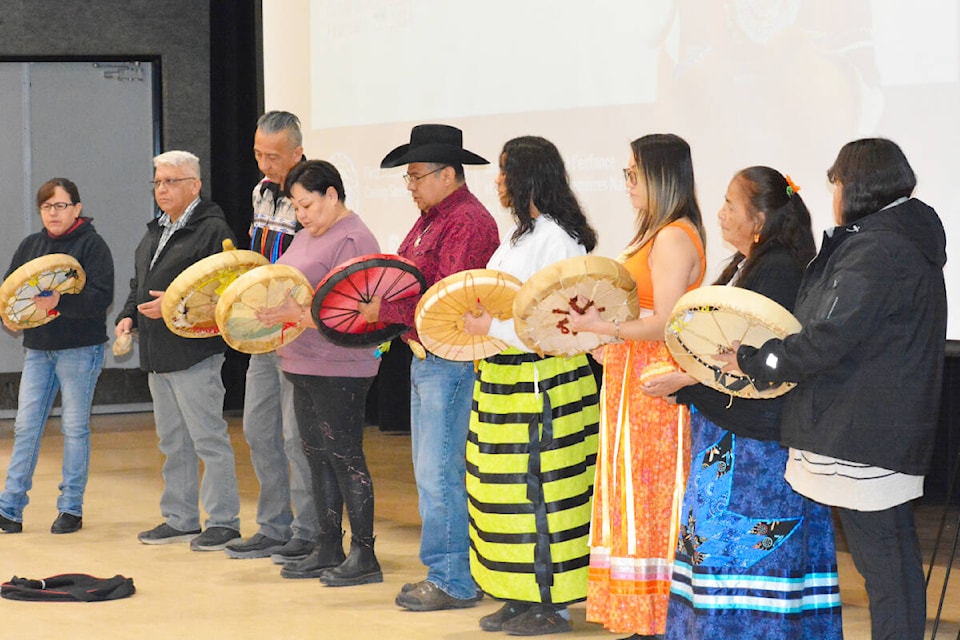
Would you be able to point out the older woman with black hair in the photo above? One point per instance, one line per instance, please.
(742, 525)
(869, 363)
(533, 428)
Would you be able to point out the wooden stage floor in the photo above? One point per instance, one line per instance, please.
(183, 594)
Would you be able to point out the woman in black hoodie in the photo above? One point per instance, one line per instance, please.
(64, 355)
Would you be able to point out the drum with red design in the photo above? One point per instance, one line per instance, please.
(358, 280)
(190, 302)
(542, 308)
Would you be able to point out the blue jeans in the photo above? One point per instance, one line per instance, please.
(440, 395)
(188, 412)
(74, 373)
(270, 427)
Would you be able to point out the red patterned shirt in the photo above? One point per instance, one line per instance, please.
(456, 235)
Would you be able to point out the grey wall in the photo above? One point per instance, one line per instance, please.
(177, 31)
(105, 146)
(175, 35)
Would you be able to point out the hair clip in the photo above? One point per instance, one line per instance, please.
(792, 187)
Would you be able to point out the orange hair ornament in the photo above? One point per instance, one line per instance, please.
(792, 187)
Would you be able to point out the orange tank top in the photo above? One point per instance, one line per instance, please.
(639, 265)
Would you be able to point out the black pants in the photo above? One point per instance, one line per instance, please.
(886, 552)
(330, 417)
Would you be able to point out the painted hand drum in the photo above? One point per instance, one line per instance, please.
(542, 307)
(39, 277)
(265, 286)
(359, 280)
(190, 302)
(706, 321)
(439, 315)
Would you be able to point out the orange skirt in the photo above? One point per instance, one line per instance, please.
(641, 465)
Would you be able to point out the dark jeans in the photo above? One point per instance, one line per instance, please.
(886, 552)
(330, 418)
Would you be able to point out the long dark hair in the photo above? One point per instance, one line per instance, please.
(786, 221)
(873, 173)
(666, 166)
(534, 174)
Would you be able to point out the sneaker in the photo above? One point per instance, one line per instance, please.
(10, 526)
(427, 596)
(165, 534)
(256, 546)
(214, 539)
(295, 550)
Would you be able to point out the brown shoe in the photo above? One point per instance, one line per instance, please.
(538, 620)
(410, 586)
(427, 596)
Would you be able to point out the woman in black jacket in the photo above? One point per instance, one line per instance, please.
(869, 365)
(65, 355)
(753, 553)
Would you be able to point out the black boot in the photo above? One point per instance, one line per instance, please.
(360, 567)
(327, 553)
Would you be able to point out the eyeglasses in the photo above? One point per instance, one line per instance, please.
(412, 179)
(169, 182)
(59, 206)
(630, 174)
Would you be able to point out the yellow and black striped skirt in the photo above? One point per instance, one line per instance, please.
(531, 454)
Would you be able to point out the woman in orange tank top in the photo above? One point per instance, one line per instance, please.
(644, 442)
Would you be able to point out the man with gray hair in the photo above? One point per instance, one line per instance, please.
(287, 532)
(183, 373)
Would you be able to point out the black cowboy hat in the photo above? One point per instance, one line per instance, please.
(439, 143)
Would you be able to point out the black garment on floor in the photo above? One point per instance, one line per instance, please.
(68, 587)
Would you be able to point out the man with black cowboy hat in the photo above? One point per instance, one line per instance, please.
(455, 232)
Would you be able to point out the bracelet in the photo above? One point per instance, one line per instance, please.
(616, 334)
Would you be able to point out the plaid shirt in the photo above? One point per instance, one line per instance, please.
(170, 227)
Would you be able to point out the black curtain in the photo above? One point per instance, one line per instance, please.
(235, 91)
(946, 454)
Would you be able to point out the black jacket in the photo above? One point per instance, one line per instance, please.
(162, 351)
(777, 276)
(83, 316)
(869, 359)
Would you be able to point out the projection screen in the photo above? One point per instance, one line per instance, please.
(783, 83)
